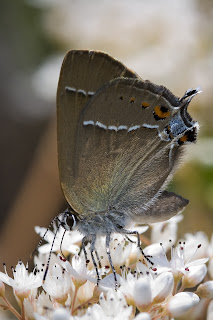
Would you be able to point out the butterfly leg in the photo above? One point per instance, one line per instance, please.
(127, 232)
(110, 259)
(92, 249)
(84, 250)
(98, 259)
(130, 240)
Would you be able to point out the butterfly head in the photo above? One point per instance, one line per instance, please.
(68, 220)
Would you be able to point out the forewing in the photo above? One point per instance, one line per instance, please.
(82, 74)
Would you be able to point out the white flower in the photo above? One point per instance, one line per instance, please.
(154, 250)
(86, 292)
(108, 282)
(69, 241)
(164, 231)
(78, 270)
(40, 262)
(177, 263)
(143, 316)
(181, 303)
(23, 282)
(162, 286)
(144, 287)
(127, 287)
(58, 284)
(191, 241)
(28, 308)
(135, 251)
(197, 312)
(113, 307)
(58, 314)
(194, 276)
(43, 303)
(143, 293)
(61, 314)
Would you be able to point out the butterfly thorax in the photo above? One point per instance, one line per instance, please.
(101, 223)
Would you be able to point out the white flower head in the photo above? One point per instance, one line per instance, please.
(22, 282)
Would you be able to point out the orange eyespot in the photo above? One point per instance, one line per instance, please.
(184, 138)
(145, 104)
(161, 112)
(188, 136)
(132, 100)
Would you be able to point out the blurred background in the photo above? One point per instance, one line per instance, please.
(167, 42)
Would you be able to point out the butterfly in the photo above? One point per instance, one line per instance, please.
(120, 139)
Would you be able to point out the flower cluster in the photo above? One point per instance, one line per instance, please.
(173, 279)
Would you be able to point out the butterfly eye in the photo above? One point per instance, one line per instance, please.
(68, 221)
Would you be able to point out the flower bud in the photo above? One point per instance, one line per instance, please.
(143, 316)
(194, 276)
(181, 303)
(163, 286)
(143, 294)
(205, 290)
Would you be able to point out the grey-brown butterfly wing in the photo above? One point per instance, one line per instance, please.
(82, 74)
(126, 154)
